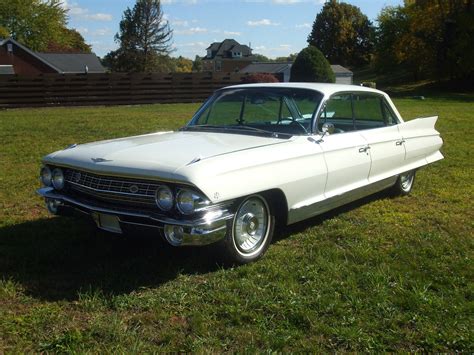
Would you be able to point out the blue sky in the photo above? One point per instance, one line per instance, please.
(273, 27)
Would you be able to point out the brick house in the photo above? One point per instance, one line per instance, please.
(227, 56)
(16, 58)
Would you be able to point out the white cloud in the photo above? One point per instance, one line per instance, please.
(169, 2)
(191, 49)
(82, 30)
(98, 17)
(74, 10)
(287, 2)
(262, 22)
(232, 33)
(272, 52)
(303, 25)
(101, 32)
(179, 23)
(191, 31)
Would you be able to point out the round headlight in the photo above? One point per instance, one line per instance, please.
(186, 201)
(46, 176)
(58, 179)
(189, 202)
(164, 198)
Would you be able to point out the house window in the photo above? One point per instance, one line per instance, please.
(237, 54)
(209, 53)
(218, 66)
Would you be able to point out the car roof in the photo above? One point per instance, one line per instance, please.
(324, 88)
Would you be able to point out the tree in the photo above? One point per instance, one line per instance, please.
(289, 58)
(427, 38)
(39, 25)
(71, 42)
(197, 64)
(311, 66)
(343, 33)
(260, 58)
(183, 65)
(144, 38)
(4, 32)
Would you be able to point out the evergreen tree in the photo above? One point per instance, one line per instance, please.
(311, 66)
(144, 38)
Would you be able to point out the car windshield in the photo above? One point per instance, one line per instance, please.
(259, 110)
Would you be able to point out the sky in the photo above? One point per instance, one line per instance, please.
(273, 28)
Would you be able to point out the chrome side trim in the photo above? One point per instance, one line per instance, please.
(299, 214)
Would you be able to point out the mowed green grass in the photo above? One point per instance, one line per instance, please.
(391, 274)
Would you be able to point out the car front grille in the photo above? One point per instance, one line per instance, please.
(112, 189)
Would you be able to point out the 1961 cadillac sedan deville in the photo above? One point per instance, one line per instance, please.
(253, 155)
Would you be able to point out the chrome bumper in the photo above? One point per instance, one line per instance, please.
(208, 229)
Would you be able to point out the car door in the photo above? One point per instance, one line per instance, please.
(345, 150)
(377, 123)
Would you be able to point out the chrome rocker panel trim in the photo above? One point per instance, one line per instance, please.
(202, 231)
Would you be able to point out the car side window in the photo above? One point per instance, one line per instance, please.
(368, 111)
(390, 117)
(338, 112)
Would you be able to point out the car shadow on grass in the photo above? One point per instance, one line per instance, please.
(58, 258)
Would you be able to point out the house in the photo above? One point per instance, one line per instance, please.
(16, 58)
(227, 56)
(343, 75)
(283, 69)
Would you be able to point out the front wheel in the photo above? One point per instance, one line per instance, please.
(404, 183)
(251, 231)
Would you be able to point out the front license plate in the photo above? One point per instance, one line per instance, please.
(108, 222)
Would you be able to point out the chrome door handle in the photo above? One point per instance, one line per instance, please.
(400, 142)
(364, 149)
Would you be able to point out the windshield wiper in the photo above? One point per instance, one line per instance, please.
(255, 129)
(235, 128)
(202, 126)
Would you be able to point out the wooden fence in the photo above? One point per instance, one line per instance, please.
(110, 89)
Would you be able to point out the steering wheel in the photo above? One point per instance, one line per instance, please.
(293, 123)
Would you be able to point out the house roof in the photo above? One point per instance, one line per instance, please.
(220, 49)
(74, 62)
(64, 62)
(266, 67)
(339, 69)
(29, 51)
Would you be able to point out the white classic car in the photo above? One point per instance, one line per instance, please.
(252, 155)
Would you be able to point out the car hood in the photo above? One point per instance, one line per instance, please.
(158, 154)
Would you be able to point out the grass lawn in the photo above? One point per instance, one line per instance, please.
(393, 274)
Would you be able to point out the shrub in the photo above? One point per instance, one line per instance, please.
(260, 78)
(311, 66)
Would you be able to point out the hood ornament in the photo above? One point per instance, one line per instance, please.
(99, 160)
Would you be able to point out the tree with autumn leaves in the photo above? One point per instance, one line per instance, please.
(430, 39)
(427, 38)
(41, 25)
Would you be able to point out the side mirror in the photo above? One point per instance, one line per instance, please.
(328, 128)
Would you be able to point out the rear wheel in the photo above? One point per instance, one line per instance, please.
(250, 232)
(404, 183)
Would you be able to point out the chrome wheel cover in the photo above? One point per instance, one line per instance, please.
(251, 226)
(406, 181)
